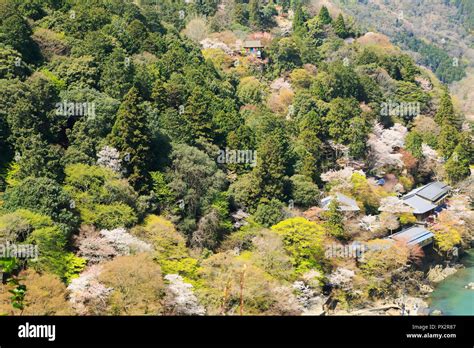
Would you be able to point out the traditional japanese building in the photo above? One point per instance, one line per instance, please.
(253, 47)
(427, 199)
(415, 235)
(345, 203)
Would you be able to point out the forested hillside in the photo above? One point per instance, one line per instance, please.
(439, 32)
(170, 157)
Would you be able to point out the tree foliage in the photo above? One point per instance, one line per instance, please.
(131, 137)
(303, 240)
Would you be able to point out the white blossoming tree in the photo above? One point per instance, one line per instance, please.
(394, 205)
(180, 299)
(110, 157)
(383, 143)
(125, 243)
(86, 294)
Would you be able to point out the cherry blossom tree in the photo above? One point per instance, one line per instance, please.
(383, 144)
(180, 299)
(394, 205)
(110, 157)
(125, 243)
(87, 295)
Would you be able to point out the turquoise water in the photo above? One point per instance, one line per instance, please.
(450, 296)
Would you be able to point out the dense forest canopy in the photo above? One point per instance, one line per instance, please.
(141, 137)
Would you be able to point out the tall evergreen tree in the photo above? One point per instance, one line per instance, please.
(15, 32)
(448, 139)
(309, 153)
(334, 220)
(159, 95)
(358, 134)
(324, 15)
(240, 15)
(413, 143)
(299, 21)
(339, 118)
(446, 111)
(131, 137)
(340, 27)
(458, 165)
(272, 161)
(198, 114)
(40, 159)
(255, 15)
(117, 74)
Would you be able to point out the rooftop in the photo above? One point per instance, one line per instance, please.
(419, 205)
(424, 199)
(414, 235)
(253, 44)
(432, 191)
(345, 203)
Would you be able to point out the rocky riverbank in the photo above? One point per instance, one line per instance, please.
(404, 305)
(438, 273)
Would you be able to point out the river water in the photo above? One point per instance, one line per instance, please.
(450, 296)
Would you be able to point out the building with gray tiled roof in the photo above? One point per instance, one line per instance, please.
(345, 203)
(425, 200)
(415, 235)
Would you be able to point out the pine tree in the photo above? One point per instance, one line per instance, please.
(324, 16)
(131, 137)
(413, 143)
(255, 15)
(334, 220)
(457, 167)
(198, 115)
(446, 111)
(448, 139)
(299, 21)
(340, 27)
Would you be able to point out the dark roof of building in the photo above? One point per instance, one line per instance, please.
(424, 198)
(432, 191)
(419, 205)
(413, 235)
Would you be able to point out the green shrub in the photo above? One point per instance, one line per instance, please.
(303, 240)
(171, 252)
(101, 196)
(53, 256)
(269, 213)
(43, 196)
(305, 193)
(109, 216)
